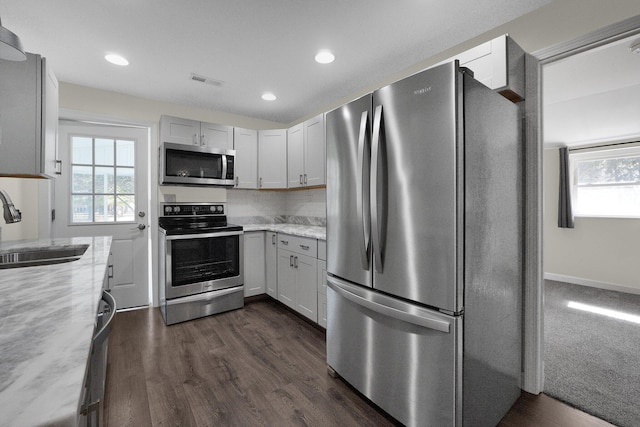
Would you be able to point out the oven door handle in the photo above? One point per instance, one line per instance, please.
(204, 235)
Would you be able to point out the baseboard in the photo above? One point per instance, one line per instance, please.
(592, 283)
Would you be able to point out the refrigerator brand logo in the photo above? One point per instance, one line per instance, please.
(422, 91)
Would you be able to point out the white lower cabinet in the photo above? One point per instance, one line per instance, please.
(286, 278)
(288, 268)
(271, 261)
(298, 274)
(254, 263)
(307, 286)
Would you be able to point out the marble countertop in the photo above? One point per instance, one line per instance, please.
(312, 231)
(47, 319)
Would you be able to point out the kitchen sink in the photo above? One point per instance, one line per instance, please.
(29, 257)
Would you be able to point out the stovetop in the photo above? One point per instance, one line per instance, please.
(194, 218)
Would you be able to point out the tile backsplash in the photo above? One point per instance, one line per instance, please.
(253, 203)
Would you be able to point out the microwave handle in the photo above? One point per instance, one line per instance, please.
(224, 166)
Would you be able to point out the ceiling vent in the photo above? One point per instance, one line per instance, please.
(206, 80)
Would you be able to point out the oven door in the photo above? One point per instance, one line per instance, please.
(196, 263)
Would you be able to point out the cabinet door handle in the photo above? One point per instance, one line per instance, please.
(58, 167)
(301, 179)
(202, 139)
(304, 247)
(305, 179)
(290, 260)
(295, 262)
(260, 185)
(273, 239)
(237, 180)
(195, 139)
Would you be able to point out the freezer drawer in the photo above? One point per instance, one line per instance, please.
(405, 358)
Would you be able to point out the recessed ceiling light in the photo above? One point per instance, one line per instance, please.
(325, 57)
(116, 59)
(268, 96)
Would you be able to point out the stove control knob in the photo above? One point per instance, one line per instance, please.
(176, 209)
(167, 209)
(212, 208)
(219, 208)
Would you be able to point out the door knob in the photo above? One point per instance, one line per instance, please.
(141, 227)
(141, 214)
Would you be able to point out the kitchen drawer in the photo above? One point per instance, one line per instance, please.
(322, 249)
(300, 245)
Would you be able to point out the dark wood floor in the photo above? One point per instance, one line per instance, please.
(261, 365)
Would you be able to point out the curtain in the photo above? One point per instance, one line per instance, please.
(565, 213)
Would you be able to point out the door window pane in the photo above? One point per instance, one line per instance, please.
(125, 153)
(81, 179)
(125, 180)
(102, 180)
(125, 208)
(103, 208)
(81, 150)
(104, 151)
(81, 209)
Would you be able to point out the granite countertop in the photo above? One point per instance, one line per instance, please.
(312, 231)
(47, 319)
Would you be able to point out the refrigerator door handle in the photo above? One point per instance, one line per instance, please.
(375, 224)
(418, 317)
(362, 188)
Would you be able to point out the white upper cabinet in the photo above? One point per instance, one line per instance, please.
(314, 151)
(295, 156)
(193, 132)
(272, 158)
(306, 153)
(217, 136)
(28, 118)
(498, 64)
(245, 142)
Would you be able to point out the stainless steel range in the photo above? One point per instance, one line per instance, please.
(201, 263)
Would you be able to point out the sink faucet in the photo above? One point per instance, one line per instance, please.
(11, 214)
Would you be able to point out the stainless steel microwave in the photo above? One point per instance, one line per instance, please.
(196, 165)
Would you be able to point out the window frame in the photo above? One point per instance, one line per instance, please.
(615, 151)
(93, 165)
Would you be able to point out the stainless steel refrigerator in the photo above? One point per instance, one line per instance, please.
(424, 248)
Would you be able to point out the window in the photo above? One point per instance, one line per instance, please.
(102, 180)
(606, 182)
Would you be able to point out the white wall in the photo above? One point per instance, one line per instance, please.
(601, 252)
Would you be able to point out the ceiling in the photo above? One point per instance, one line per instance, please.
(593, 97)
(251, 46)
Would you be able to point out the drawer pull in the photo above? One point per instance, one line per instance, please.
(305, 247)
(284, 242)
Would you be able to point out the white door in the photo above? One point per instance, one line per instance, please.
(103, 190)
(245, 142)
(272, 158)
(295, 156)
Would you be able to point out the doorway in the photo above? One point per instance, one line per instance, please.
(104, 190)
(585, 267)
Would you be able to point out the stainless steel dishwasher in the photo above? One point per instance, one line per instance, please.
(95, 376)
